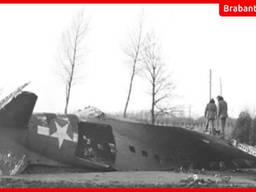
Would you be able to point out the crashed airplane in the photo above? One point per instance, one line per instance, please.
(92, 140)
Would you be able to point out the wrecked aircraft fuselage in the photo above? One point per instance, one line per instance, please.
(92, 140)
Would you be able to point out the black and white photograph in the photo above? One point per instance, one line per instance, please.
(126, 95)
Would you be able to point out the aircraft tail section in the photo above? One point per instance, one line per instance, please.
(16, 108)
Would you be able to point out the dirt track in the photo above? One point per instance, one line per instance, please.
(132, 179)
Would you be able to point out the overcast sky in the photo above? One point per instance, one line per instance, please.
(194, 38)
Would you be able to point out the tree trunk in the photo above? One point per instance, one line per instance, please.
(71, 76)
(129, 93)
(153, 111)
(66, 104)
(153, 102)
(68, 92)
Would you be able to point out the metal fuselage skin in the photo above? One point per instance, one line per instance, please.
(112, 144)
(67, 141)
(103, 143)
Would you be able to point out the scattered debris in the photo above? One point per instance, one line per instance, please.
(236, 170)
(222, 166)
(178, 170)
(195, 180)
(225, 179)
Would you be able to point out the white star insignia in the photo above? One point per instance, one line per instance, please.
(61, 134)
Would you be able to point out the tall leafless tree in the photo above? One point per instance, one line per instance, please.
(71, 54)
(133, 52)
(160, 81)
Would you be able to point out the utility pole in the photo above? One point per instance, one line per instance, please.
(210, 87)
(220, 87)
(189, 112)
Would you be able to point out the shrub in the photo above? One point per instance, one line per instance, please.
(242, 128)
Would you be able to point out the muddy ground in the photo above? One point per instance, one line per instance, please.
(245, 178)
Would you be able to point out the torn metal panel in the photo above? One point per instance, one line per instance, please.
(12, 95)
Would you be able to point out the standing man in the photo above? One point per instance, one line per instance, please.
(222, 113)
(210, 114)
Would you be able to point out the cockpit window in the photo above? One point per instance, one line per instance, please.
(132, 149)
(144, 153)
(157, 157)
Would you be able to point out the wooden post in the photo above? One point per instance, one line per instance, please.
(210, 85)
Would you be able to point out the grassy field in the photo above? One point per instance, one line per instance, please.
(132, 179)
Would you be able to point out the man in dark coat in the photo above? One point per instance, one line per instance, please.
(222, 113)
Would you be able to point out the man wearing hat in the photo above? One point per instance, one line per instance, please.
(222, 113)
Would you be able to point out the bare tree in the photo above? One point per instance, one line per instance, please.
(71, 54)
(133, 52)
(160, 81)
